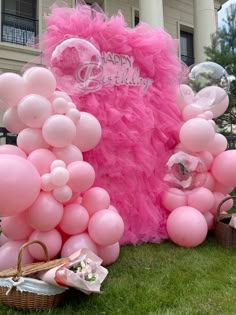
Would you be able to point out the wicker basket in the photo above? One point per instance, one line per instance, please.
(225, 235)
(28, 293)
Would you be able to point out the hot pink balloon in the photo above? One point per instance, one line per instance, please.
(218, 145)
(106, 227)
(109, 254)
(42, 159)
(12, 121)
(45, 213)
(76, 242)
(95, 199)
(68, 154)
(201, 198)
(52, 239)
(88, 132)
(173, 198)
(75, 219)
(30, 139)
(82, 176)
(59, 131)
(19, 186)
(224, 168)
(16, 227)
(187, 227)
(196, 134)
(12, 149)
(11, 88)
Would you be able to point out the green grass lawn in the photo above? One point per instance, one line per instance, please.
(164, 279)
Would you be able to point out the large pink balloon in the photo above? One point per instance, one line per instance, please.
(109, 254)
(12, 149)
(12, 121)
(30, 139)
(68, 154)
(19, 186)
(95, 199)
(16, 227)
(88, 132)
(187, 227)
(52, 239)
(75, 219)
(201, 198)
(224, 168)
(173, 198)
(82, 176)
(106, 227)
(45, 213)
(42, 160)
(9, 255)
(11, 88)
(196, 134)
(76, 242)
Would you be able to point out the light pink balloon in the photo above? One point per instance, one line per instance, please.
(60, 105)
(11, 88)
(206, 158)
(185, 96)
(46, 184)
(218, 198)
(39, 80)
(76, 242)
(201, 198)
(209, 181)
(196, 134)
(3, 239)
(75, 219)
(218, 145)
(173, 198)
(9, 255)
(222, 188)
(187, 227)
(16, 227)
(210, 220)
(109, 254)
(52, 239)
(74, 115)
(82, 176)
(12, 121)
(33, 110)
(190, 112)
(12, 149)
(19, 186)
(42, 159)
(62, 194)
(106, 227)
(57, 163)
(59, 131)
(60, 94)
(88, 132)
(45, 213)
(59, 176)
(95, 199)
(224, 168)
(30, 139)
(68, 154)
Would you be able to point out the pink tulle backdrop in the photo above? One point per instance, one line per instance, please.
(139, 130)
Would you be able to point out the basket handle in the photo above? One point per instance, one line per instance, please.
(220, 205)
(20, 256)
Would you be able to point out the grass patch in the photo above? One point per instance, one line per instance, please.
(153, 279)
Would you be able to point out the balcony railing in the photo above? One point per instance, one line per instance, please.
(19, 30)
(187, 60)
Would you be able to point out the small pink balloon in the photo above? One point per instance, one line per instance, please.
(75, 219)
(185, 96)
(77, 242)
(95, 199)
(210, 220)
(224, 168)
(187, 227)
(209, 181)
(12, 149)
(173, 198)
(82, 176)
(12, 121)
(218, 198)
(62, 194)
(23, 230)
(59, 176)
(88, 132)
(206, 158)
(39, 80)
(11, 88)
(59, 131)
(45, 213)
(46, 184)
(109, 254)
(52, 239)
(106, 227)
(60, 105)
(60, 94)
(57, 163)
(33, 110)
(42, 159)
(201, 198)
(3, 239)
(30, 139)
(218, 145)
(74, 115)
(68, 154)
(190, 112)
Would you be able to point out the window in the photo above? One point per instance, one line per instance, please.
(186, 47)
(100, 3)
(19, 23)
(135, 17)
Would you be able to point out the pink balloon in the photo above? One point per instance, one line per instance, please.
(45, 213)
(3, 239)
(222, 188)
(201, 198)
(59, 131)
(62, 194)
(46, 184)
(218, 145)
(75, 219)
(39, 80)
(224, 168)
(60, 94)
(173, 198)
(12, 149)
(12, 121)
(227, 205)
(16, 227)
(9, 255)
(52, 239)
(187, 227)
(95, 199)
(42, 159)
(109, 254)
(74, 115)
(19, 186)
(209, 182)
(185, 96)
(82, 176)
(206, 158)
(59, 176)
(30, 139)
(76, 242)
(88, 132)
(210, 220)
(106, 227)
(33, 110)
(57, 163)
(190, 112)
(68, 154)
(11, 88)
(60, 105)
(196, 134)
